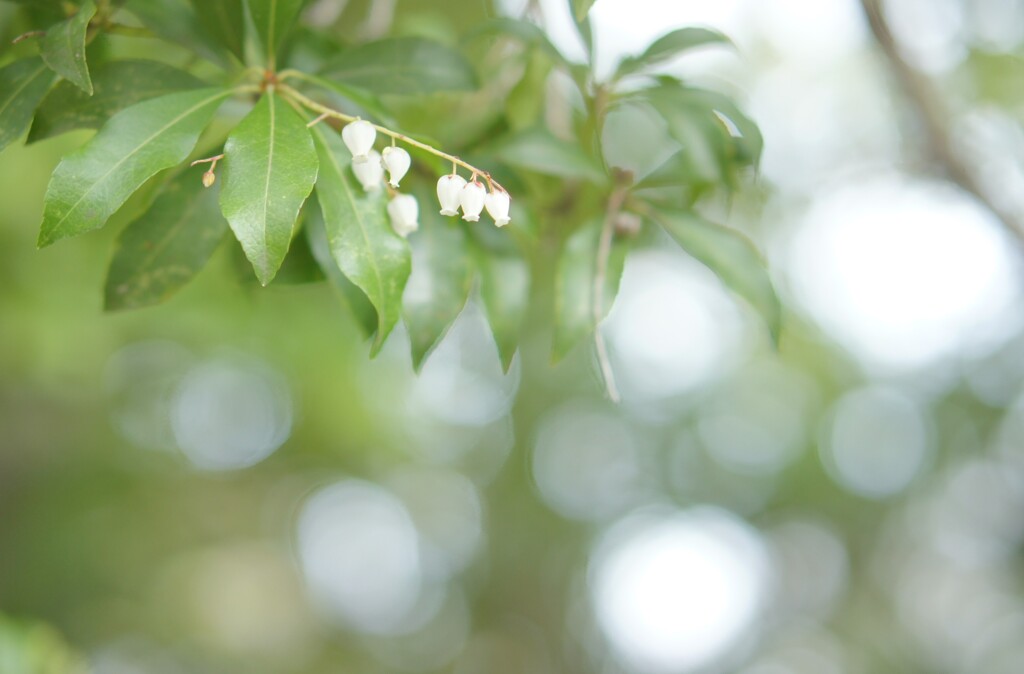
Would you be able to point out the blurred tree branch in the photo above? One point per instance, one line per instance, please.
(928, 106)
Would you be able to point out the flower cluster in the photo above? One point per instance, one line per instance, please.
(453, 191)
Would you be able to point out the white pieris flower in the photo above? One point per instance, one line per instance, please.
(397, 161)
(497, 203)
(359, 137)
(369, 173)
(449, 188)
(404, 212)
(472, 201)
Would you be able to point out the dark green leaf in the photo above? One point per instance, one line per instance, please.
(505, 291)
(538, 150)
(669, 46)
(63, 47)
(320, 247)
(167, 246)
(117, 85)
(271, 167)
(442, 277)
(138, 142)
(176, 21)
(705, 139)
(22, 85)
(575, 286)
(359, 233)
(731, 256)
(273, 19)
(403, 65)
(224, 22)
(300, 266)
(580, 8)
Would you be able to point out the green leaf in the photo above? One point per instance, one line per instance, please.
(583, 27)
(320, 247)
(167, 246)
(442, 277)
(731, 256)
(523, 31)
(580, 9)
(402, 65)
(273, 19)
(669, 46)
(224, 22)
(22, 85)
(137, 143)
(271, 166)
(176, 21)
(505, 291)
(359, 234)
(575, 286)
(63, 47)
(538, 150)
(117, 85)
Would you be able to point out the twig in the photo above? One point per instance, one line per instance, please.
(29, 35)
(325, 112)
(604, 250)
(928, 106)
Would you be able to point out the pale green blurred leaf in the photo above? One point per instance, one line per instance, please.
(405, 65)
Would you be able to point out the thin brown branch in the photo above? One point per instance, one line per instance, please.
(930, 109)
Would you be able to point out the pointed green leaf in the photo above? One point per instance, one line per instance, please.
(176, 21)
(580, 8)
(270, 169)
(575, 286)
(64, 47)
(732, 257)
(138, 142)
(505, 291)
(402, 65)
(441, 280)
(299, 266)
(167, 246)
(320, 247)
(273, 19)
(359, 233)
(668, 46)
(539, 150)
(22, 85)
(224, 22)
(117, 85)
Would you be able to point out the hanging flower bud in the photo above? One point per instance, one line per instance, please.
(449, 188)
(359, 137)
(209, 178)
(397, 162)
(472, 200)
(497, 203)
(369, 173)
(404, 211)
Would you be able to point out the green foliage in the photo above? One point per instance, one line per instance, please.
(139, 142)
(489, 101)
(117, 85)
(361, 241)
(35, 648)
(271, 167)
(161, 251)
(22, 85)
(402, 66)
(64, 47)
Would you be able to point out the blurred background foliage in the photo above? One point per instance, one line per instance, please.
(226, 483)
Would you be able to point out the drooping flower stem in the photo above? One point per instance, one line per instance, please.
(328, 112)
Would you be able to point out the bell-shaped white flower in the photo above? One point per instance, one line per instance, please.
(359, 137)
(404, 212)
(497, 203)
(449, 188)
(472, 200)
(397, 161)
(369, 173)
